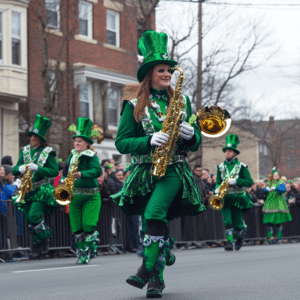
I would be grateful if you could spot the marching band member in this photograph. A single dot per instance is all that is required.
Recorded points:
(275, 209)
(41, 161)
(85, 207)
(236, 201)
(176, 193)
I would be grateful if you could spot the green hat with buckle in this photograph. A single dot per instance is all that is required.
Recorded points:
(154, 47)
(84, 129)
(40, 127)
(232, 140)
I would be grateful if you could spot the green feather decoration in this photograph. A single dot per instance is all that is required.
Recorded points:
(72, 128)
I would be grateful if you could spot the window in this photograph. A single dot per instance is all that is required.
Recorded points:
(263, 149)
(1, 38)
(291, 161)
(113, 107)
(52, 14)
(112, 27)
(86, 19)
(16, 38)
(86, 100)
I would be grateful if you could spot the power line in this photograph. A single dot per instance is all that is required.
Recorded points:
(236, 4)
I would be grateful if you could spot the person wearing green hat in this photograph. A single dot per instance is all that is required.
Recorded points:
(41, 161)
(236, 201)
(175, 194)
(85, 207)
(275, 209)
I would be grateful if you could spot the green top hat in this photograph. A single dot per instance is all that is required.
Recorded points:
(153, 46)
(274, 170)
(40, 127)
(232, 140)
(84, 129)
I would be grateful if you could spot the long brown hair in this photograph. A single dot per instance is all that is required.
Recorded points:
(141, 91)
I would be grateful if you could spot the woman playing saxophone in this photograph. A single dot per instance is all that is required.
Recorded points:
(83, 166)
(140, 131)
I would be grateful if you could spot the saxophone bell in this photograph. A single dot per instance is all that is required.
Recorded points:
(214, 121)
(62, 194)
(215, 202)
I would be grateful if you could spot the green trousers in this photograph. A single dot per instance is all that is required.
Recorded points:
(165, 190)
(33, 212)
(233, 216)
(84, 212)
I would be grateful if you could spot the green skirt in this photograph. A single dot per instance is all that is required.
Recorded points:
(44, 194)
(275, 209)
(139, 185)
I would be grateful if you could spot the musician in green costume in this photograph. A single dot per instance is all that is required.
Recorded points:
(85, 207)
(236, 201)
(275, 209)
(173, 195)
(40, 159)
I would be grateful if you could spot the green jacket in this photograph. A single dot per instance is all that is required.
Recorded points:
(236, 196)
(89, 167)
(44, 157)
(132, 138)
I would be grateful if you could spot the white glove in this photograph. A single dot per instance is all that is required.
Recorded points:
(22, 169)
(17, 183)
(159, 138)
(186, 131)
(232, 181)
(217, 191)
(268, 189)
(273, 188)
(33, 167)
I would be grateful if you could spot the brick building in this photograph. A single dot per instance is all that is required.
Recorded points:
(91, 47)
(13, 72)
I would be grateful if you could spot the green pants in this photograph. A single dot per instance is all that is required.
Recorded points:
(233, 216)
(165, 190)
(84, 212)
(33, 212)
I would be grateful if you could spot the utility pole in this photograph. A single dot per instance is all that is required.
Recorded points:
(199, 75)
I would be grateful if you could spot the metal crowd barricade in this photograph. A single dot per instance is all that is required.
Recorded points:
(205, 228)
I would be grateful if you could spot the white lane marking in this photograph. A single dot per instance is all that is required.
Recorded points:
(62, 268)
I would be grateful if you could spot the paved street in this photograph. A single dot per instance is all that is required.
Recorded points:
(254, 272)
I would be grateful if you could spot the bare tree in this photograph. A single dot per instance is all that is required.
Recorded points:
(229, 50)
(53, 49)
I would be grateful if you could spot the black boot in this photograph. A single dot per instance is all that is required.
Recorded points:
(155, 286)
(238, 244)
(229, 247)
(141, 278)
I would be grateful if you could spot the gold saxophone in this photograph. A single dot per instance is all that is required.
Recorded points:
(162, 154)
(26, 185)
(216, 202)
(63, 193)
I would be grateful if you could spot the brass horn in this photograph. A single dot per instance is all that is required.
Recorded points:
(216, 202)
(214, 121)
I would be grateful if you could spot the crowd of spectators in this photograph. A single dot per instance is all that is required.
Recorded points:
(292, 194)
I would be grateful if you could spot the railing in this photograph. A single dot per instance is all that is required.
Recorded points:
(208, 226)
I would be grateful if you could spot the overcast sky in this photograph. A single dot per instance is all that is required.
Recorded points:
(275, 87)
